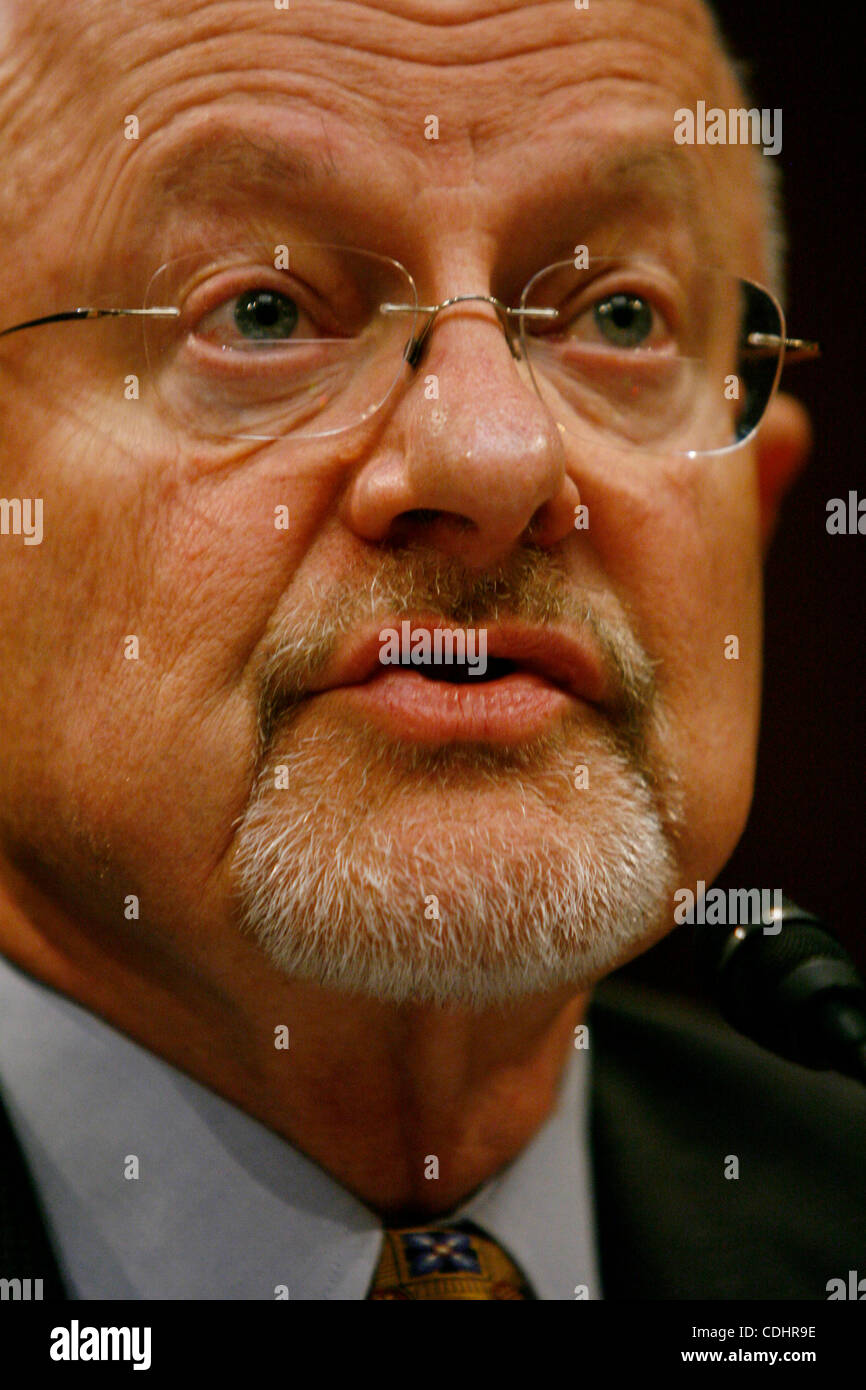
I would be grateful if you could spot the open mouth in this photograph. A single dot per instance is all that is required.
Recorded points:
(526, 666)
(532, 678)
(462, 673)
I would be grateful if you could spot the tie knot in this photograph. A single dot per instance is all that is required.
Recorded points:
(445, 1262)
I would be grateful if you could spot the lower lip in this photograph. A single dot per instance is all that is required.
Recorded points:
(509, 710)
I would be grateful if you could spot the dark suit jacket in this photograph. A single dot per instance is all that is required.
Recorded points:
(676, 1096)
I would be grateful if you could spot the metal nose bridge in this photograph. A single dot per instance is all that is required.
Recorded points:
(415, 346)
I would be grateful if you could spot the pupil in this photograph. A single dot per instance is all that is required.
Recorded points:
(266, 314)
(624, 319)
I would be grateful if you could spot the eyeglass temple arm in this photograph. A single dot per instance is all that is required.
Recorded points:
(88, 314)
(796, 349)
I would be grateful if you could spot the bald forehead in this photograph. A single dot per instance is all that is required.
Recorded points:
(500, 74)
(440, 34)
(487, 59)
(391, 17)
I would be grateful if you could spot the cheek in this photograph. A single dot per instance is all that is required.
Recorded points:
(130, 730)
(681, 546)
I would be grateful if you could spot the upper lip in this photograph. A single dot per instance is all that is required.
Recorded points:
(571, 661)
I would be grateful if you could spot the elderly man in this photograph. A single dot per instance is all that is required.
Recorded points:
(436, 342)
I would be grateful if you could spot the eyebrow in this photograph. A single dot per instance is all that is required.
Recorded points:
(216, 159)
(642, 164)
(221, 165)
(240, 157)
(661, 178)
(655, 171)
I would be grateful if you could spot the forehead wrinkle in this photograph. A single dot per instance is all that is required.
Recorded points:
(481, 129)
(181, 56)
(374, 118)
(429, 33)
(152, 32)
(424, 31)
(156, 52)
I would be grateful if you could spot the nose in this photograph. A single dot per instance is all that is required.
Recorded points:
(470, 460)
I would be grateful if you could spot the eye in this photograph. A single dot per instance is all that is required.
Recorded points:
(625, 320)
(264, 313)
(617, 309)
(248, 309)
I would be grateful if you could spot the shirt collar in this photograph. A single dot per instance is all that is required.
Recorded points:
(223, 1207)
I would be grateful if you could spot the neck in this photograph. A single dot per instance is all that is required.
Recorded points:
(382, 1097)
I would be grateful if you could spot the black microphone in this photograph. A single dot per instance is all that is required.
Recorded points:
(790, 986)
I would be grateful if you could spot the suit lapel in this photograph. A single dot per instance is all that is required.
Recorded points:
(25, 1248)
(676, 1096)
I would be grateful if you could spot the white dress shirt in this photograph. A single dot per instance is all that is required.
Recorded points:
(223, 1207)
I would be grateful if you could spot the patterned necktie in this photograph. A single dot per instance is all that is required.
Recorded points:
(457, 1262)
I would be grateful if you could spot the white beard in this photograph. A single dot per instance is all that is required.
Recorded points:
(537, 885)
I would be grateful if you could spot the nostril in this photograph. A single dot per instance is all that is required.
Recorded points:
(418, 524)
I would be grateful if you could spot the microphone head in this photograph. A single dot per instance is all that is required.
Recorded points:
(765, 978)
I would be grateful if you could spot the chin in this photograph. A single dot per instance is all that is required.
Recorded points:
(468, 883)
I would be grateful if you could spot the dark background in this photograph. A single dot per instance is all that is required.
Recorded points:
(807, 830)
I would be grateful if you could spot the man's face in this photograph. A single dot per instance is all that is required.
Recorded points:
(158, 776)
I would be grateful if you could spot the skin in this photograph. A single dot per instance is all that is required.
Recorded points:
(128, 777)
